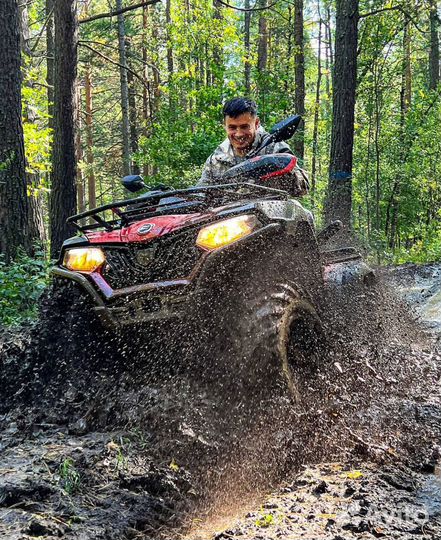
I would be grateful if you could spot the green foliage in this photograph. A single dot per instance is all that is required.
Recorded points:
(180, 144)
(37, 135)
(21, 284)
(265, 520)
(70, 479)
(397, 196)
(397, 158)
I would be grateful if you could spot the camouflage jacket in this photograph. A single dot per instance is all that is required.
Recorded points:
(223, 158)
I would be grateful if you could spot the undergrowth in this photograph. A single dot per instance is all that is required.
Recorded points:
(21, 283)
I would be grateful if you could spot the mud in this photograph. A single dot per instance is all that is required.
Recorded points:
(341, 501)
(117, 451)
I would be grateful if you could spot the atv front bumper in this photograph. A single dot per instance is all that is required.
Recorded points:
(168, 299)
(134, 305)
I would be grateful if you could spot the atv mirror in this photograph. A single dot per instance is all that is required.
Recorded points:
(133, 183)
(285, 129)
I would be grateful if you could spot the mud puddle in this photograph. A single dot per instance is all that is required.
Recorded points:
(384, 428)
(429, 494)
(420, 286)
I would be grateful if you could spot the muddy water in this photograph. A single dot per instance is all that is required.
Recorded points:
(429, 494)
(420, 286)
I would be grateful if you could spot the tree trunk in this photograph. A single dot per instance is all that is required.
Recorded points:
(50, 61)
(63, 191)
(133, 119)
(366, 176)
(434, 76)
(262, 47)
(81, 199)
(36, 224)
(316, 117)
(24, 29)
(148, 103)
(169, 45)
(339, 194)
(247, 46)
(299, 58)
(329, 65)
(125, 129)
(14, 208)
(288, 59)
(262, 58)
(217, 79)
(406, 86)
(406, 97)
(145, 92)
(91, 184)
(37, 230)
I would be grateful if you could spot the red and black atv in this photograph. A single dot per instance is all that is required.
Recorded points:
(240, 262)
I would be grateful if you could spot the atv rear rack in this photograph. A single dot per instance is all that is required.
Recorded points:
(194, 199)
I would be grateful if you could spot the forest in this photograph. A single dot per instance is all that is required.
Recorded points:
(93, 91)
(234, 361)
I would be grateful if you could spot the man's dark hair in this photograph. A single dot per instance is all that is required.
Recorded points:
(237, 106)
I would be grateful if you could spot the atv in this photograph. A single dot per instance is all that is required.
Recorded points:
(240, 262)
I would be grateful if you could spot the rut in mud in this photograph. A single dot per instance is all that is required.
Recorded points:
(137, 447)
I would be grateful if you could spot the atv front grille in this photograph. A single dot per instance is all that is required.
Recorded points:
(170, 258)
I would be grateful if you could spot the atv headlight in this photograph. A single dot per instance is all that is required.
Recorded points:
(226, 232)
(84, 259)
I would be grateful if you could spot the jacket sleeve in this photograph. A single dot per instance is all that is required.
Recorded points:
(207, 176)
(282, 148)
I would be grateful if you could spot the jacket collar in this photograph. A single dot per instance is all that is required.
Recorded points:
(225, 150)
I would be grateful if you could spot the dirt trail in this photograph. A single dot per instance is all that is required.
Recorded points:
(126, 455)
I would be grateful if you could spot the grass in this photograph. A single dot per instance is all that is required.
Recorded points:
(69, 476)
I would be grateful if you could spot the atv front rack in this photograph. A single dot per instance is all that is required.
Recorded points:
(182, 201)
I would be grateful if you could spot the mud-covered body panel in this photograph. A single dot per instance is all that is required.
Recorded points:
(155, 227)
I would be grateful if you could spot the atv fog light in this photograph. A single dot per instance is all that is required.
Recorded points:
(226, 232)
(84, 259)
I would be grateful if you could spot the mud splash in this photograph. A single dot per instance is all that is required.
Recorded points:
(156, 455)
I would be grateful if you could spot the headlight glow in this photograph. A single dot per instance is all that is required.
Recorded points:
(84, 259)
(225, 232)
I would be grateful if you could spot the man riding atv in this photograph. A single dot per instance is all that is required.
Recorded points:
(244, 137)
(232, 271)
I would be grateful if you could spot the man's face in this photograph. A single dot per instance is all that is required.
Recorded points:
(241, 131)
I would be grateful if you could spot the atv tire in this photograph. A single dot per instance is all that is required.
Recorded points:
(286, 338)
(266, 341)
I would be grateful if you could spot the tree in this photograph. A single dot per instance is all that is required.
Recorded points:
(316, 114)
(132, 106)
(170, 67)
(50, 60)
(434, 46)
(91, 186)
(299, 58)
(339, 194)
(63, 189)
(36, 230)
(13, 199)
(247, 46)
(125, 132)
